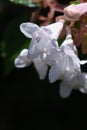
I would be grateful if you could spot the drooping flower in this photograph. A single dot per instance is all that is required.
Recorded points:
(40, 67)
(43, 38)
(76, 80)
(63, 60)
(28, 29)
(22, 61)
(44, 51)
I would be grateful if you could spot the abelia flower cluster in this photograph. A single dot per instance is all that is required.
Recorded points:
(44, 52)
(74, 13)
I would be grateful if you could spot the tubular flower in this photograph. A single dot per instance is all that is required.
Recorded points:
(63, 60)
(22, 61)
(43, 38)
(44, 51)
(76, 80)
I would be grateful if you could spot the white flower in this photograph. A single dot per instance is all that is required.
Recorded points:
(82, 62)
(41, 67)
(28, 29)
(22, 61)
(63, 60)
(43, 38)
(53, 30)
(76, 80)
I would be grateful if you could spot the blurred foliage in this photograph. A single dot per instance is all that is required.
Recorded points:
(12, 41)
(75, 2)
(25, 2)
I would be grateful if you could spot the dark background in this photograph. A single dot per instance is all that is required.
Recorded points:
(27, 103)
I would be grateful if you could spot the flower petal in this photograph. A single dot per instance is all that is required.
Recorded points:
(67, 65)
(54, 73)
(41, 68)
(68, 40)
(70, 53)
(22, 61)
(52, 57)
(33, 51)
(83, 88)
(82, 62)
(54, 30)
(28, 29)
(65, 89)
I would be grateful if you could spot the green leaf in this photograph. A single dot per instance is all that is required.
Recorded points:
(25, 2)
(13, 42)
(75, 2)
(9, 60)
